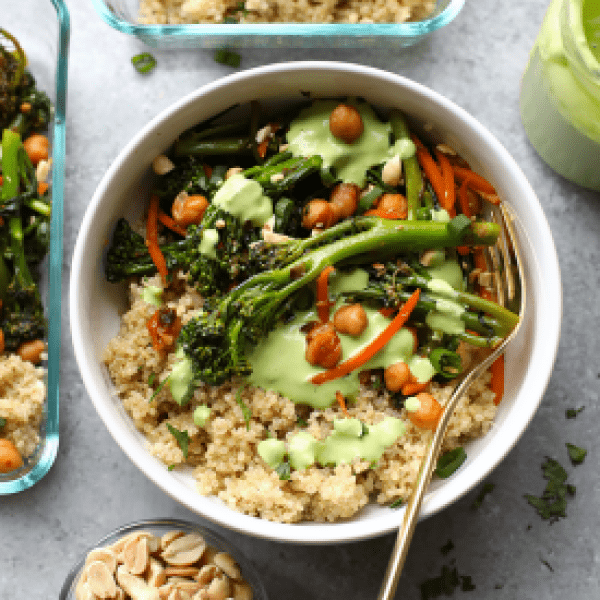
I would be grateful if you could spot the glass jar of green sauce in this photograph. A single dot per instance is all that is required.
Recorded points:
(560, 91)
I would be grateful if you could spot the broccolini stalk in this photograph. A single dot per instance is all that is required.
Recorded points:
(216, 340)
(412, 170)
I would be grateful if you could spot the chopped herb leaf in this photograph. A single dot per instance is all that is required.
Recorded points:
(2, 422)
(227, 57)
(397, 503)
(485, 490)
(161, 385)
(246, 412)
(364, 429)
(445, 584)
(151, 379)
(283, 470)
(170, 467)
(449, 462)
(547, 564)
(447, 547)
(182, 438)
(552, 504)
(571, 413)
(144, 62)
(301, 422)
(576, 454)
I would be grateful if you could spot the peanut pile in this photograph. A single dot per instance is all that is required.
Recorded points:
(176, 566)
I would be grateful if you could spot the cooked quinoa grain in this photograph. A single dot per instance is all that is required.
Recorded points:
(223, 454)
(284, 11)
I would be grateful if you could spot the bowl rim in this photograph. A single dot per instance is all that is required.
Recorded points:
(409, 29)
(387, 520)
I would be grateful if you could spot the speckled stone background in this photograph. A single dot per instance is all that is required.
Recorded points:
(508, 551)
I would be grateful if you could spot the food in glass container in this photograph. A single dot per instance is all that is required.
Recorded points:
(25, 209)
(280, 11)
(303, 294)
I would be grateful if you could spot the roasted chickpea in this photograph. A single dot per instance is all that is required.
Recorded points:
(350, 319)
(323, 346)
(188, 210)
(345, 123)
(10, 458)
(32, 351)
(318, 214)
(394, 205)
(396, 375)
(344, 200)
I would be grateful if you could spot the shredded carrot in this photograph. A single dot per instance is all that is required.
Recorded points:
(342, 402)
(475, 182)
(323, 303)
(449, 198)
(387, 311)
(207, 170)
(497, 381)
(463, 199)
(432, 172)
(463, 250)
(262, 148)
(385, 214)
(167, 221)
(414, 387)
(152, 239)
(42, 188)
(360, 358)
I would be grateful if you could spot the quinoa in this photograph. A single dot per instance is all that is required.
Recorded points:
(22, 397)
(283, 11)
(223, 454)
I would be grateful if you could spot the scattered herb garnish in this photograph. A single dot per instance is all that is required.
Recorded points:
(571, 413)
(547, 564)
(224, 56)
(445, 584)
(2, 422)
(447, 547)
(151, 379)
(449, 462)
(283, 470)
(301, 422)
(576, 454)
(144, 62)
(246, 412)
(182, 438)
(552, 504)
(485, 490)
(161, 385)
(397, 503)
(170, 467)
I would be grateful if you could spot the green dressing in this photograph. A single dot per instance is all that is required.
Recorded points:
(244, 198)
(152, 295)
(181, 377)
(412, 404)
(309, 134)
(208, 244)
(302, 450)
(272, 451)
(201, 415)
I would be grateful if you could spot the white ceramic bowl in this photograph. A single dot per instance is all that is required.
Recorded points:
(95, 304)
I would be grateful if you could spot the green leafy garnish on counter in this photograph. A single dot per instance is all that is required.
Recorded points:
(227, 57)
(182, 438)
(485, 490)
(571, 413)
(552, 504)
(144, 62)
(576, 454)
(446, 584)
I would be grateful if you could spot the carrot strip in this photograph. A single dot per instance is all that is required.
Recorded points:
(152, 239)
(387, 311)
(463, 199)
(475, 182)
(497, 381)
(414, 387)
(323, 303)
(448, 200)
(432, 172)
(385, 214)
(360, 358)
(42, 188)
(167, 221)
(342, 402)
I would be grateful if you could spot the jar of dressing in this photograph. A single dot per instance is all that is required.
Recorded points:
(560, 91)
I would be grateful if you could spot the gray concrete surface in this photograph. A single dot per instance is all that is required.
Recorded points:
(509, 552)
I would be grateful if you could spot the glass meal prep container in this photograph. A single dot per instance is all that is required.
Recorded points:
(41, 28)
(123, 16)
